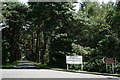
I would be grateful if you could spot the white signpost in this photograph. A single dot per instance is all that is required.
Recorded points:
(74, 60)
(109, 61)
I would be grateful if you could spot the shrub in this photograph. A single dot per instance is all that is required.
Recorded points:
(95, 64)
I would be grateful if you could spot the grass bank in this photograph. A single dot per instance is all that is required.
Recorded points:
(71, 70)
(10, 65)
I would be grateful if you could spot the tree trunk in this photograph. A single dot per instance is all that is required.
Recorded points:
(38, 49)
(50, 41)
(37, 46)
(12, 47)
(44, 47)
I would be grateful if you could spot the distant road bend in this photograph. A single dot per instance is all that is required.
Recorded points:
(26, 65)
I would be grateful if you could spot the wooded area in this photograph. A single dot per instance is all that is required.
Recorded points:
(47, 32)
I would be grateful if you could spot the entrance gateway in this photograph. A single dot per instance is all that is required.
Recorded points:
(76, 60)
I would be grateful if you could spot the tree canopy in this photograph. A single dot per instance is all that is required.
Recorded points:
(46, 32)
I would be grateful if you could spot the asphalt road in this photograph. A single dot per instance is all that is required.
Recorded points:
(26, 65)
(46, 73)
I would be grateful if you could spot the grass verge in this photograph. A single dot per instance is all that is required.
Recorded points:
(41, 65)
(71, 70)
(10, 65)
(86, 72)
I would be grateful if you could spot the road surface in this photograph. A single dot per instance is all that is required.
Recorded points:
(46, 73)
(26, 65)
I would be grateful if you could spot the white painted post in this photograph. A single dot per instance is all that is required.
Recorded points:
(67, 67)
(113, 68)
(82, 67)
(106, 66)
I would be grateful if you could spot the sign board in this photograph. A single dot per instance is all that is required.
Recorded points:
(74, 59)
(109, 60)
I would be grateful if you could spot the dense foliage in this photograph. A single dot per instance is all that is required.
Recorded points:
(47, 32)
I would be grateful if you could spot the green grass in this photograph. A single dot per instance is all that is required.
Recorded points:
(9, 65)
(41, 65)
(51, 67)
(85, 71)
